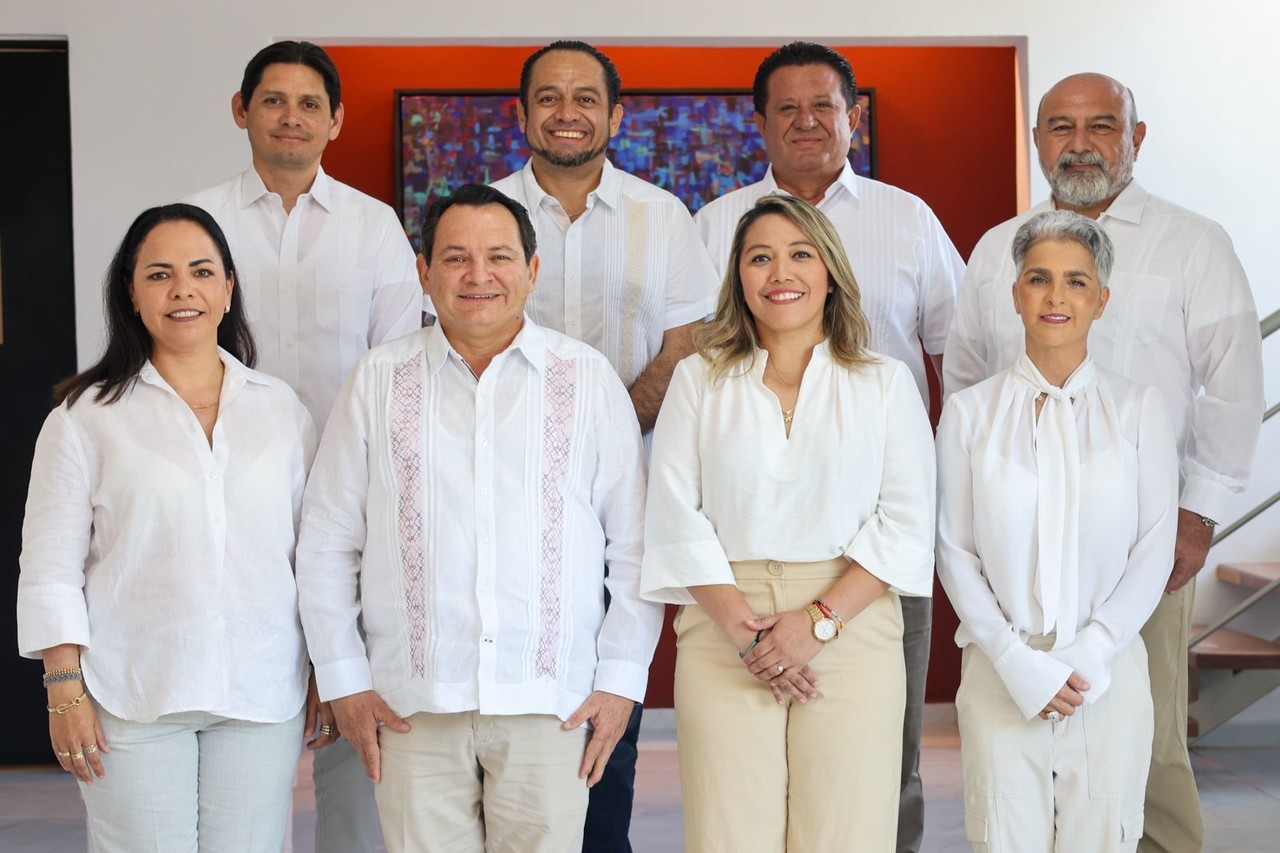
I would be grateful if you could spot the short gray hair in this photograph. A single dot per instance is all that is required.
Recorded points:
(1065, 226)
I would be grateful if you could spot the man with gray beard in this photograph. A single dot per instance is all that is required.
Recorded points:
(1182, 319)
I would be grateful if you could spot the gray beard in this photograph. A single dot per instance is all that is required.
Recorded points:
(1087, 189)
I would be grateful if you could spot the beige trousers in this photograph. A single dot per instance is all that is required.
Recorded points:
(823, 776)
(472, 782)
(1173, 805)
(1032, 786)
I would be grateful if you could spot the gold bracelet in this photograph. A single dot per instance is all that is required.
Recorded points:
(67, 706)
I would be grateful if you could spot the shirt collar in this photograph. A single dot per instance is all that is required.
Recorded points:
(235, 374)
(530, 342)
(1127, 207)
(609, 190)
(847, 180)
(252, 188)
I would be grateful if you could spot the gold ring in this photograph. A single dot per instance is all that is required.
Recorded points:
(91, 749)
(63, 754)
(326, 729)
(77, 756)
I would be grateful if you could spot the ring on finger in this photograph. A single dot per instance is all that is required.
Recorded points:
(91, 749)
(781, 669)
(63, 754)
(326, 729)
(1054, 716)
(77, 756)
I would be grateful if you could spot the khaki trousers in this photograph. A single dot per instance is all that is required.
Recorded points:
(1174, 824)
(761, 778)
(472, 782)
(1032, 786)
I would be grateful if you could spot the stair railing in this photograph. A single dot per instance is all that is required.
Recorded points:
(1267, 327)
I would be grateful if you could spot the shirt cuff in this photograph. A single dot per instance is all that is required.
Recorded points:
(622, 678)
(343, 678)
(1206, 497)
(1032, 677)
(1089, 663)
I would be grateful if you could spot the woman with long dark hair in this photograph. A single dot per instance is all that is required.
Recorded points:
(157, 559)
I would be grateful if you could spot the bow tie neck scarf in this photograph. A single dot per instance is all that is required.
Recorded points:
(1057, 454)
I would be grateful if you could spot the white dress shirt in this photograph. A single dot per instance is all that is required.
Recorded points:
(1181, 318)
(856, 477)
(322, 283)
(1118, 492)
(627, 270)
(906, 267)
(170, 561)
(467, 526)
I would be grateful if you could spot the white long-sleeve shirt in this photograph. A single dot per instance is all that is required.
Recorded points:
(626, 271)
(856, 477)
(322, 283)
(906, 267)
(1181, 319)
(170, 561)
(989, 501)
(467, 526)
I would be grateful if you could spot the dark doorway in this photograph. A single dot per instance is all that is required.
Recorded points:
(37, 335)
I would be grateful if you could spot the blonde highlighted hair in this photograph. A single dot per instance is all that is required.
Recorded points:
(731, 339)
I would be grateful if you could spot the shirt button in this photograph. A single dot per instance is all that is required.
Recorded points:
(288, 291)
(489, 640)
(776, 569)
(484, 442)
(573, 321)
(213, 475)
(289, 343)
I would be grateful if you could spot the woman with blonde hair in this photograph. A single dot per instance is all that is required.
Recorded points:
(790, 503)
(1057, 512)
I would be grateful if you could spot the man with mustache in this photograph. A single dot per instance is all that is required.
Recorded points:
(1181, 319)
(326, 273)
(907, 269)
(622, 270)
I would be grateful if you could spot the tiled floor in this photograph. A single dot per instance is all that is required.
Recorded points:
(40, 810)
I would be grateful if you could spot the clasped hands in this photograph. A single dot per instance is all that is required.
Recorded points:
(786, 641)
(1068, 698)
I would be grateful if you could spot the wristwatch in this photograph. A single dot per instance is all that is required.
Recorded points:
(825, 628)
(1207, 521)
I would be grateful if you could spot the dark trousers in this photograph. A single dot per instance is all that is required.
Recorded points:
(609, 808)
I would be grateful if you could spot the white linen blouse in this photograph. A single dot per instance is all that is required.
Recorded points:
(856, 477)
(168, 560)
(1007, 555)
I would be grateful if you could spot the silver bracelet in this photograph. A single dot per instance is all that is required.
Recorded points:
(60, 675)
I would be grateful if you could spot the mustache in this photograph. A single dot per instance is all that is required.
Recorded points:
(1089, 158)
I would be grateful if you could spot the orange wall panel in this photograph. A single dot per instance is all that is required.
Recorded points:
(945, 130)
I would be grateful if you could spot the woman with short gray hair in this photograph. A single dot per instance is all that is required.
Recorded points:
(1057, 513)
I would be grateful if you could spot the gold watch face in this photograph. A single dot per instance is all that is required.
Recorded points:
(825, 630)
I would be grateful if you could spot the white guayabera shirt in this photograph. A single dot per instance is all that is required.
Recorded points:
(322, 283)
(466, 526)
(627, 270)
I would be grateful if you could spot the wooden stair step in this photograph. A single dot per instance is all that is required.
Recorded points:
(1250, 576)
(1228, 649)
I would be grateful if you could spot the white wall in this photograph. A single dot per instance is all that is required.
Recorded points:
(151, 82)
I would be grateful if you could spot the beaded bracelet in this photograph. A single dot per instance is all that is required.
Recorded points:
(829, 611)
(57, 676)
(742, 654)
(67, 706)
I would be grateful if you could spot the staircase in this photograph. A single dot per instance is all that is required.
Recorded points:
(1230, 670)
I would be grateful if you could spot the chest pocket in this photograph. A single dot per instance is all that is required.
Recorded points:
(1140, 302)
